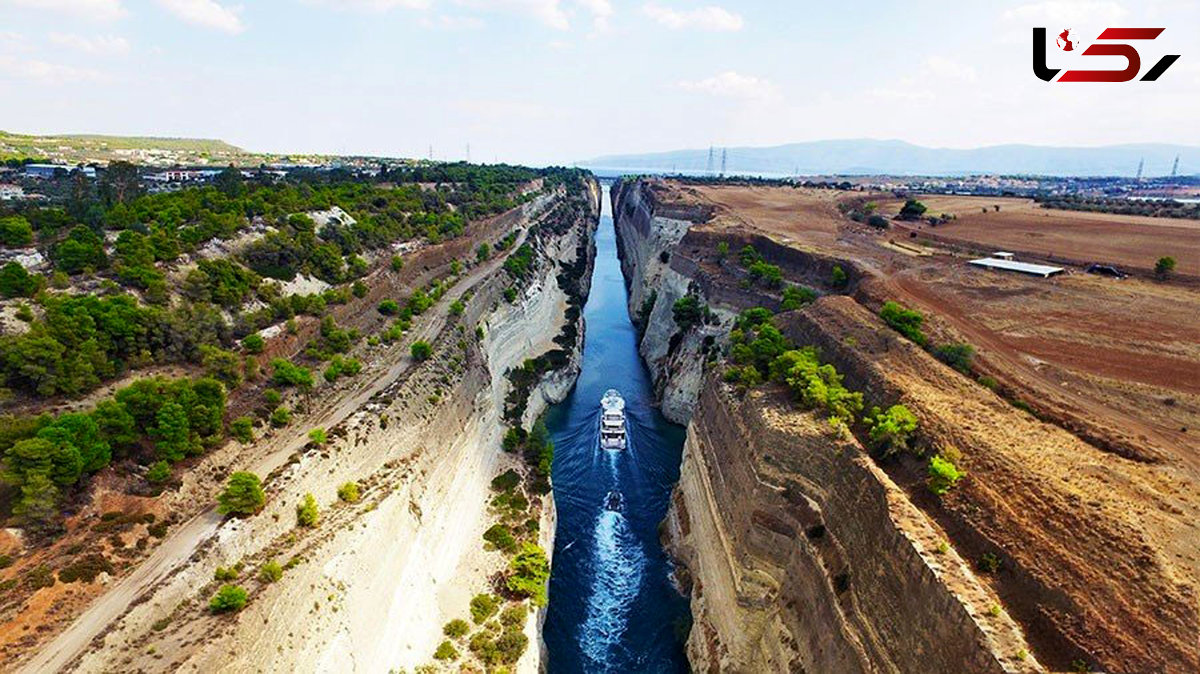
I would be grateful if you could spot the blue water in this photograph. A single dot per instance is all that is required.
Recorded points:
(612, 605)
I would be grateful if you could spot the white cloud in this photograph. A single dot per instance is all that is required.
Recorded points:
(449, 22)
(601, 10)
(548, 12)
(943, 68)
(100, 45)
(702, 18)
(46, 73)
(732, 85)
(95, 10)
(1068, 12)
(206, 13)
(373, 5)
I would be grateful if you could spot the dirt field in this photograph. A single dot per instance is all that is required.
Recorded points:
(1095, 519)
(1021, 226)
(807, 214)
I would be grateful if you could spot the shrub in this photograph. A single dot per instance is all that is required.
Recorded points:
(270, 572)
(254, 343)
(722, 250)
(285, 373)
(877, 221)
(501, 537)
(483, 252)
(942, 475)
(159, 472)
(317, 436)
(243, 495)
(359, 289)
(688, 311)
(15, 231)
(989, 563)
(457, 307)
(445, 651)
(272, 397)
(513, 615)
(890, 431)
(904, 321)
(397, 263)
(16, 282)
(510, 294)
(225, 574)
(421, 351)
(770, 275)
(306, 512)
(85, 569)
(507, 480)
(389, 307)
(528, 573)
(281, 417)
(817, 385)
(483, 606)
(838, 277)
(242, 429)
(348, 492)
(456, 629)
(957, 356)
(1164, 266)
(795, 297)
(229, 599)
(912, 210)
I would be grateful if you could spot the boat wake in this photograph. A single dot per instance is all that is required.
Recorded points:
(618, 566)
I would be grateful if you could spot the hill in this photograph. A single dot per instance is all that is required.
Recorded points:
(148, 150)
(895, 157)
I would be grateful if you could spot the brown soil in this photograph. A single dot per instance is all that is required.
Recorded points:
(1022, 226)
(1104, 548)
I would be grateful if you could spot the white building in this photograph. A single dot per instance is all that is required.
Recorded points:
(11, 192)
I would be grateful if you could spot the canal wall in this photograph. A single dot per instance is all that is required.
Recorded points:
(799, 552)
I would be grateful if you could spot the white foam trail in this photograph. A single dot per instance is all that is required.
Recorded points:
(618, 568)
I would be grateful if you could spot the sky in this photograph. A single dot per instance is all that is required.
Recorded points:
(558, 81)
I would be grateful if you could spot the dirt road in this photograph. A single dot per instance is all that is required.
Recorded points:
(63, 650)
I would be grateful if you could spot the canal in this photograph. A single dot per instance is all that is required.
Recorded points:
(613, 607)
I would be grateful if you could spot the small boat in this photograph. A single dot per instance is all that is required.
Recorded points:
(612, 420)
(614, 501)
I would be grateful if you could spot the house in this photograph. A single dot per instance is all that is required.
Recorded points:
(11, 192)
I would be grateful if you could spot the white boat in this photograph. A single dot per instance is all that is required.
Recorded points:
(612, 420)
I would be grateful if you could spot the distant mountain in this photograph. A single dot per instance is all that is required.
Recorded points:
(895, 157)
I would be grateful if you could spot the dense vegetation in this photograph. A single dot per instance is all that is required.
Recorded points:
(152, 420)
(1155, 208)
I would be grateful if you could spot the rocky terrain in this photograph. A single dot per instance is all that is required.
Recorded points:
(807, 549)
(369, 585)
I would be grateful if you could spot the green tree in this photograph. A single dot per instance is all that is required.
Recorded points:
(15, 230)
(159, 472)
(317, 436)
(172, 433)
(37, 504)
(281, 417)
(838, 277)
(445, 651)
(228, 599)
(942, 475)
(285, 373)
(1164, 266)
(242, 429)
(912, 210)
(688, 312)
(904, 321)
(528, 572)
(306, 512)
(421, 351)
(456, 629)
(891, 431)
(957, 356)
(16, 282)
(243, 495)
(82, 249)
(483, 252)
(253, 343)
(483, 606)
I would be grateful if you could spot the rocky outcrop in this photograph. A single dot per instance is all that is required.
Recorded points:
(369, 589)
(807, 553)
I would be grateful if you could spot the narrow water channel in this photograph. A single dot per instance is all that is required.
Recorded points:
(612, 605)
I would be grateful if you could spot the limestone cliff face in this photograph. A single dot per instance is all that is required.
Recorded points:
(646, 238)
(801, 554)
(370, 588)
